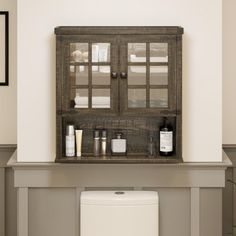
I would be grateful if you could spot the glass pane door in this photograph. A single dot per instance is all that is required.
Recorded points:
(149, 64)
(91, 62)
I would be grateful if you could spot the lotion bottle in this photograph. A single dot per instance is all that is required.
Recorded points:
(70, 141)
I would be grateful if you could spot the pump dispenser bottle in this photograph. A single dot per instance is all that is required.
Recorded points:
(70, 140)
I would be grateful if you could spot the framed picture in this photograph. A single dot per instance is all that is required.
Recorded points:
(4, 48)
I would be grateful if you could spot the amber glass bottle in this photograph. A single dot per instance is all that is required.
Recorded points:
(166, 147)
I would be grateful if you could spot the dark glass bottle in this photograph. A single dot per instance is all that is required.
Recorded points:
(166, 147)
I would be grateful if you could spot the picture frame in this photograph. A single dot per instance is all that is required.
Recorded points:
(4, 48)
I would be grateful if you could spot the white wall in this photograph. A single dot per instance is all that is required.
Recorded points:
(202, 21)
(229, 72)
(8, 93)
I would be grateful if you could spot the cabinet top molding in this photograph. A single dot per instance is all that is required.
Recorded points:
(103, 30)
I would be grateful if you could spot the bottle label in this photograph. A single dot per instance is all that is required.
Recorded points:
(70, 146)
(166, 141)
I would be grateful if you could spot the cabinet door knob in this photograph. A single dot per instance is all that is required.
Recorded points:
(123, 75)
(114, 75)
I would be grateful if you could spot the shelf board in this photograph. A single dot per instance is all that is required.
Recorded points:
(120, 160)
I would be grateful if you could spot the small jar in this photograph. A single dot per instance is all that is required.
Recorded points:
(118, 145)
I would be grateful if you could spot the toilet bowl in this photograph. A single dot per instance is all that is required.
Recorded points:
(119, 213)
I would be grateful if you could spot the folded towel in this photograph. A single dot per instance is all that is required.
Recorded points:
(81, 106)
(94, 106)
(78, 56)
(81, 102)
(97, 102)
(100, 100)
(134, 58)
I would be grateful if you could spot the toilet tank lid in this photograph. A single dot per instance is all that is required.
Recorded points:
(119, 198)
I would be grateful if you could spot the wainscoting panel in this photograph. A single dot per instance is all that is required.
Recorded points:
(210, 212)
(49, 194)
(7, 193)
(174, 211)
(52, 211)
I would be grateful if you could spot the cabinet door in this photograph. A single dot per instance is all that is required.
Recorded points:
(147, 76)
(89, 63)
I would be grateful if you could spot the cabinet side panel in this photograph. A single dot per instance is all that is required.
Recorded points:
(59, 69)
(179, 95)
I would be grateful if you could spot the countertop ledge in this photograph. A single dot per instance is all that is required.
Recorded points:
(214, 165)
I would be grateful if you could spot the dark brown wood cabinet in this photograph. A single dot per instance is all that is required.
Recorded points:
(119, 78)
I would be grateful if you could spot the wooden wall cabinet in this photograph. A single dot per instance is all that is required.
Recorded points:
(119, 78)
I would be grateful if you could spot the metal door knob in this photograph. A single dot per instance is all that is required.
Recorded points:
(114, 75)
(123, 75)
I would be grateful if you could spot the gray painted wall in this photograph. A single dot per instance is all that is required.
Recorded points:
(52, 212)
(8, 196)
(49, 194)
(229, 195)
(52, 209)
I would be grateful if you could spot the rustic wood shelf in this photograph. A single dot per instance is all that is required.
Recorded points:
(120, 159)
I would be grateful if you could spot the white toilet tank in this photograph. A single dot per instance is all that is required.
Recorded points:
(119, 213)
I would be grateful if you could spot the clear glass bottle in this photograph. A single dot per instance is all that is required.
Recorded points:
(151, 147)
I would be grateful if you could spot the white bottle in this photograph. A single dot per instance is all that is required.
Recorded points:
(118, 145)
(70, 140)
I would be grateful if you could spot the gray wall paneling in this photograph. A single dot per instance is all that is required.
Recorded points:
(50, 193)
(210, 213)
(229, 194)
(7, 193)
(2, 201)
(10, 203)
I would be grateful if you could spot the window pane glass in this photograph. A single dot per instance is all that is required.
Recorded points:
(136, 52)
(80, 97)
(101, 75)
(101, 98)
(158, 97)
(79, 52)
(79, 75)
(136, 98)
(136, 75)
(158, 52)
(101, 52)
(159, 75)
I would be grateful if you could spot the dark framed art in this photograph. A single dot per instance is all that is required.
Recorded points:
(4, 48)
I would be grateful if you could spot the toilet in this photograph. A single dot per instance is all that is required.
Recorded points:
(119, 213)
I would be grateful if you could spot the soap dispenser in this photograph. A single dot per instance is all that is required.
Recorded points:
(118, 145)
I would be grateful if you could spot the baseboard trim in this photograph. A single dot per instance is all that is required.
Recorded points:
(229, 146)
(6, 151)
(4, 147)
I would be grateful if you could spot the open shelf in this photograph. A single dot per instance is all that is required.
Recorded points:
(132, 159)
